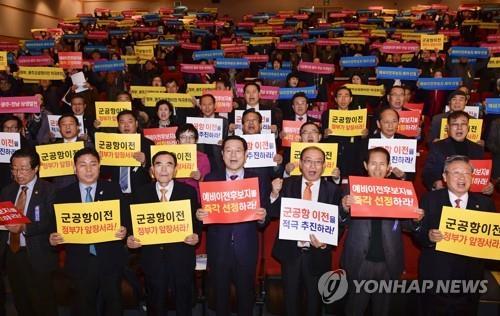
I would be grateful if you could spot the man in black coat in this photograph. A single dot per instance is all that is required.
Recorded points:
(437, 265)
(303, 262)
(30, 260)
(173, 261)
(95, 270)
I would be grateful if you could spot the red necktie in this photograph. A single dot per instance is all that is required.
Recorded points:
(457, 203)
(15, 241)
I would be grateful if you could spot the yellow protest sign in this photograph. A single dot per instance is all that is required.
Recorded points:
(132, 60)
(196, 89)
(210, 10)
(144, 52)
(263, 29)
(88, 223)
(489, 25)
(475, 129)
(3, 60)
(366, 89)
(71, 20)
(431, 42)
(352, 33)
(411, 37)
(106, 112)
(471, 22)
(276, 21)
(366, 27)
(347, 122)
(41, 73)
(126, 23)
(261, 40)
(161, 222)
(118, 149)
(186, 157)
(387, 19)
(378, 33)
(105, 22)
(57, 159)
(390, 11)
(494, 62)
(352, 40)
(139, 92)
(180, 100)
(330, 149)
(148, 42)
(470, 233)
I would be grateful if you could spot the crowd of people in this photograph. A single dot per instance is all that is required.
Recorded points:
(281, 52)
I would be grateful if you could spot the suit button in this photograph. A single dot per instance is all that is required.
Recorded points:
(162, 248)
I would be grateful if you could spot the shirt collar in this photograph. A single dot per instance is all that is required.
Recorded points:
(169, 186)
(83, 187)
(304, 181)
(30, 184)
(463, 199)
(71, 140)
(240, 174)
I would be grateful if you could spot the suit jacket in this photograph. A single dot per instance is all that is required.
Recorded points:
(276, 115)
(111, 254)
(358, 241)
(180, 252)
(244, 234)
(287, 250)
(41, 255)
(438, 265)
(434, 165)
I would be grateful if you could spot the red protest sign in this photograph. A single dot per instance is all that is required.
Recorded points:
(291, 129)
(9, 215)
(414, 107)
(266, 92)
(409, 123)
(42, 60)
(70, 60)
(327, 42)
(197, 69)
(191, 46)
(257, 58)
(316, 68)
(230, 201)
(97, 35)
(161, 136)
(235, 48)
(399, 48)
(383, 198)
(481, 175)
(223, 100)
(30, 104)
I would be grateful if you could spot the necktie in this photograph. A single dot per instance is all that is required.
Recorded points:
(300, 118)
(15, 241)
(88, 198)
(457, 203)
(233, 177)
(124, 178)
(163, 195)
(307, 195)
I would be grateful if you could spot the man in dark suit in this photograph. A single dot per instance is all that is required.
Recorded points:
(232, 248)
(457, 101)
(175, 261)
(300, 105)
(456, 144)
(131, 178)
(301, 263)
(30, 260)
(95, 270)
(373, 249)
(437, 265)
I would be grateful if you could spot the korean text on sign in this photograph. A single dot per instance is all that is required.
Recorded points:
(118, 149)
(470, 233)
(57, 159)
(10, 215)
(161, 222)
(9, 143)
(88, 223)
(403, 152)
(106, 112)
(330, 150)
(187, 160)
(300, 218)
(347, 122)
(383, 198)
(261, 150)
(230, 201)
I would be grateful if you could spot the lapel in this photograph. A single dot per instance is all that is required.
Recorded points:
(35, 196)
(153, 196)
(473, 203)
(323, 192)
(99, 192)
(445, 198)
(297, 187)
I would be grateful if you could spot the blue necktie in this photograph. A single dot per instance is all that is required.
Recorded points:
(88, 198)
(124, 178)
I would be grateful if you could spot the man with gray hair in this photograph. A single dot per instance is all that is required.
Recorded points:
(436, 265)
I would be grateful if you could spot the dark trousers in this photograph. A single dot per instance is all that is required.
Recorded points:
(97, 293)
(357, 302)
(242, 274)
(298, 275)
(176, 274)
(32, 289)
(450, 305)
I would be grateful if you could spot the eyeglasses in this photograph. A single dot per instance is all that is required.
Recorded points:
(310, 133)
(458, 174)
(313, 162)
(20, 170)
(187, 137)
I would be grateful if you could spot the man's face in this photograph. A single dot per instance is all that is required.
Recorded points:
(396, 58)
(234, 155)
(172, 87)
(312, 165)
(87, 169)
(187, 137)
(252, 95)
(127, 124)
(458, 128)
(163, 112)
(251, 124)
(408, 95)
(10, 126)
(5, 85)
(163, 169)
(458, 177)
(396, 98)
(78, 106)
(207, 106)
(22, 171)
(300, 106)
(343, 99)
(123, 97)
(388, 123)
(377, 166)
(310, 134)
(68, 128)
(293, 82)
(457, 103)
(156, 82)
